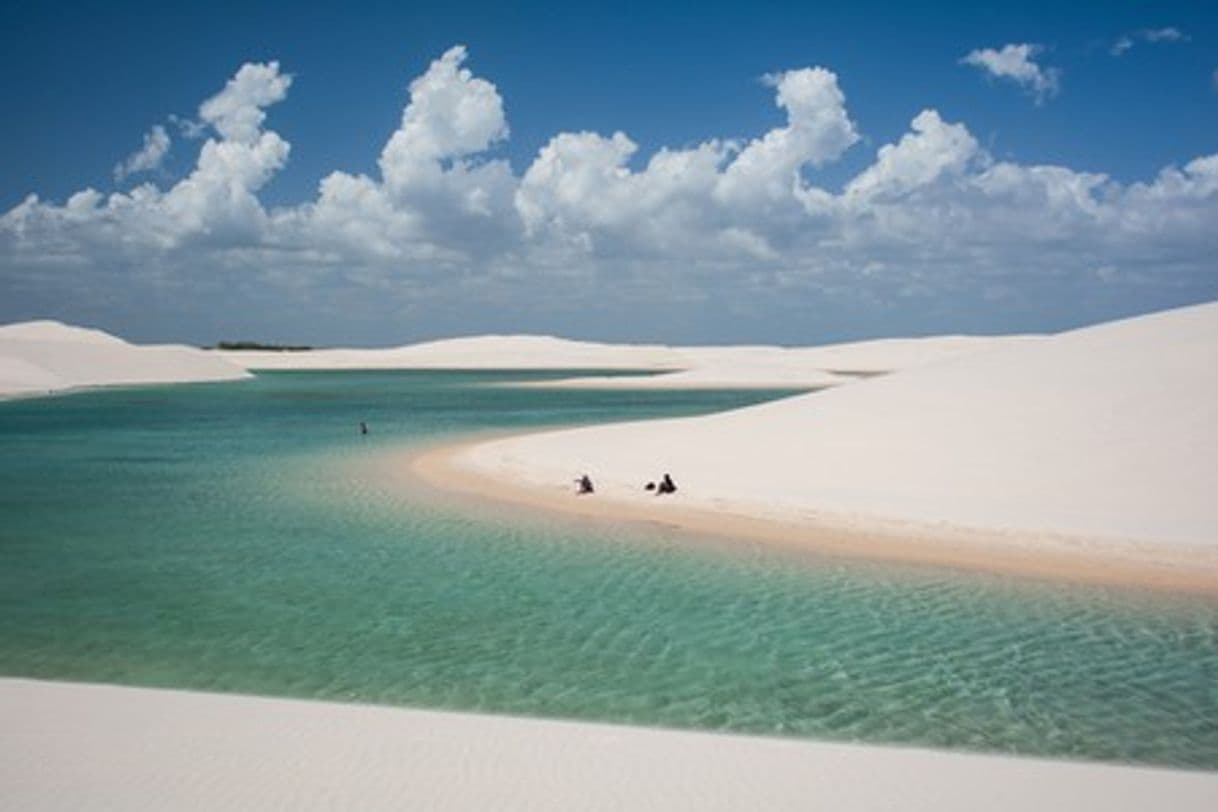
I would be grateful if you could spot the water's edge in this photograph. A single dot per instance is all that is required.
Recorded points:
(221, 539)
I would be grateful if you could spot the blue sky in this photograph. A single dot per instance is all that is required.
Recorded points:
(978, 240)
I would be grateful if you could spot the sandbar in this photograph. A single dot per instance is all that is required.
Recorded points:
(1058, 557)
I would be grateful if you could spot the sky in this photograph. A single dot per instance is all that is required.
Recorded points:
(376, 173)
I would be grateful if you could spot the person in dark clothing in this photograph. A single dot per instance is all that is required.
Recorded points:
(363, 427)
(584, 484)
(667, 485)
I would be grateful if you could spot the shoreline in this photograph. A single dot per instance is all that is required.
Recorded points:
(80, 389)
(70, 745)
(1044, 556)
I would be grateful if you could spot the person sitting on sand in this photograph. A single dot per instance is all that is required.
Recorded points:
(667, 485)
(584, 484)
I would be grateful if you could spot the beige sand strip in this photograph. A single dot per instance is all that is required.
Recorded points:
(1078, 560)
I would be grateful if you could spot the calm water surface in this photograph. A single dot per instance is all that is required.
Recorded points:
(230, 537)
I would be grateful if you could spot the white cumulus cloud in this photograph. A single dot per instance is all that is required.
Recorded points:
(215, 203)
(451, 114)
(447, 236)
(1015, 63)
(146, 158)
(716, 197)
(932, 149)
(237, 111)
(818, 131)
(439, 197)
(188, 127)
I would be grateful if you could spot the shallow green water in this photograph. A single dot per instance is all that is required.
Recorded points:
(230, 537)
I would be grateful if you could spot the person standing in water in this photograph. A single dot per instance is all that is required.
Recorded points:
(363, 427)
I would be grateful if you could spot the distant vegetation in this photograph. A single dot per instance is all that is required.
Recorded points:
(256, 345)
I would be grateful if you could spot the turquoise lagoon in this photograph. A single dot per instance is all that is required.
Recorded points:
(237, 537)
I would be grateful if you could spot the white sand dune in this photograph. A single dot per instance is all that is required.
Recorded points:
(763, 375)
(57, 332)
(1107, 432)
(71, 746)
(685, 367)
(893, 354)
(46, 356)
(479, 352)
(795, 367)
(20, 377)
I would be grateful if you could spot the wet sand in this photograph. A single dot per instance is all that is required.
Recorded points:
(1074, 559)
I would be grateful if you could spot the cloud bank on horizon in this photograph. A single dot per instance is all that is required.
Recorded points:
(446, 232)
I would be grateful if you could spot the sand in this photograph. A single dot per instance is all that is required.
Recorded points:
(1091, 451)
(767, 374)
(478, 352)
(1099, 442)
(1043, 556)
(73, 746)
(44, 357)
(681, 367)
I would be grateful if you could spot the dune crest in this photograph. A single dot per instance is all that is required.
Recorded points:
(43, 357)
(678, 367)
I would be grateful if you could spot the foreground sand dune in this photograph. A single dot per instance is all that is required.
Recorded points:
(71, 746)
(38, 358)
(1105, 433)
